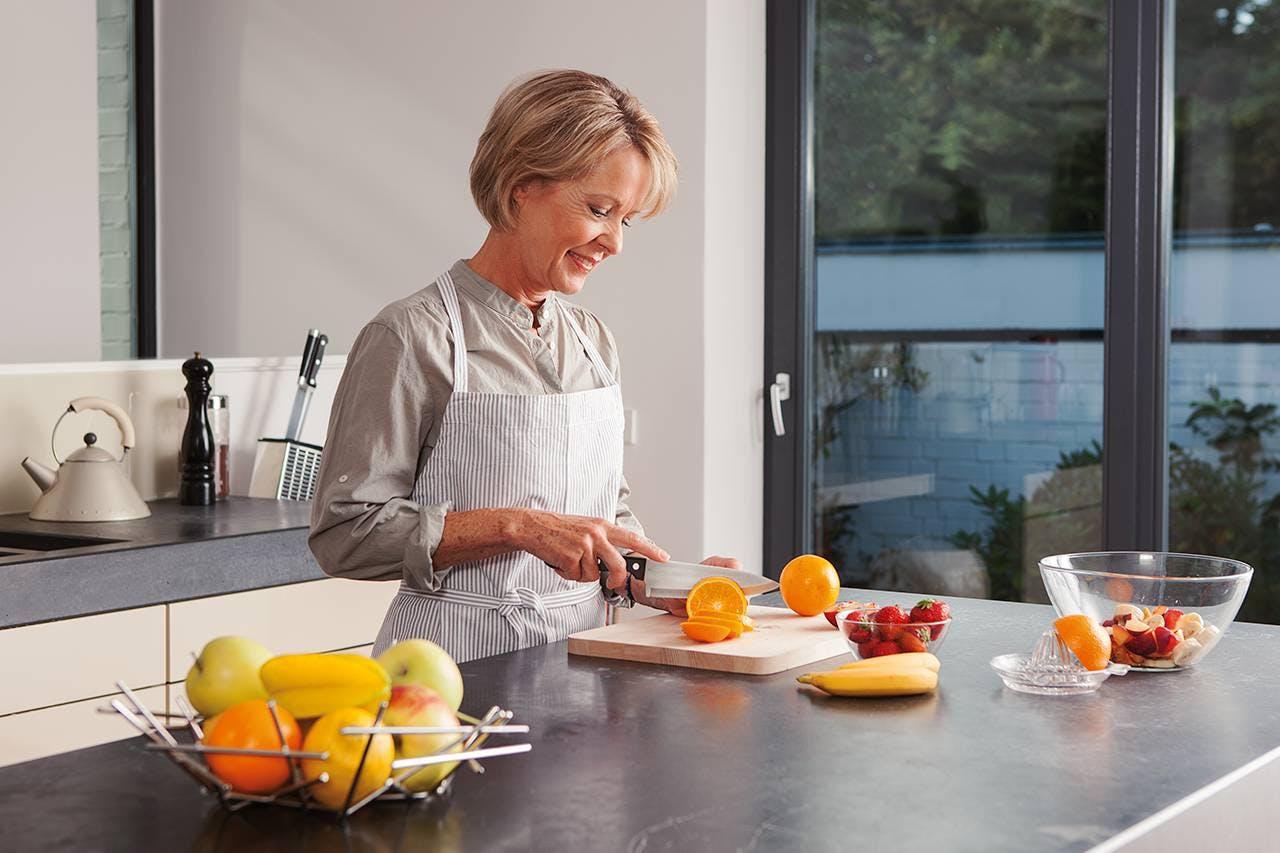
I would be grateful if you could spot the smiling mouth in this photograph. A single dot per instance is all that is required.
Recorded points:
(585, 264)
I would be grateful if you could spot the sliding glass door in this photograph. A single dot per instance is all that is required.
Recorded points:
(978, 245)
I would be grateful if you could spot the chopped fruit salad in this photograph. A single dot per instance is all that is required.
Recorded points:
(1159, 637)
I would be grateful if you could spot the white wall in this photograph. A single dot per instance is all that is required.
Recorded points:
(312, 161)
(49, 181)
(32, 397)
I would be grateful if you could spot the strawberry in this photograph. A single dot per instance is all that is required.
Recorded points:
(1171, 618)
(931, 610)
(865, 650)
(884, 647)
(912, 642)
(856, 628)
(888, 619)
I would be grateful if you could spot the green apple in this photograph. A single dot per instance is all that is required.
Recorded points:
(423, 662)
(415, 705)
(226, 673)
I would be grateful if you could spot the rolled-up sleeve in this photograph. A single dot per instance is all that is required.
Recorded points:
(364, 522)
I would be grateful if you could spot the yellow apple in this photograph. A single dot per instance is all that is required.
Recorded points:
(226, 673)
(423, 662)
(415, 705)
(344, 757)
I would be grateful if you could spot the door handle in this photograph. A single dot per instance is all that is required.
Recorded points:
(779, 390)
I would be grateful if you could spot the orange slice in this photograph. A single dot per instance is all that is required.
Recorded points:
(1088, 640)
(718, 594)
(706, 618)
(705, 632)
(732, 619)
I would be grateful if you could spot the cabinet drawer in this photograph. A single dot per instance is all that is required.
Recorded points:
(74, 659)
(62, 728)
(316, 616)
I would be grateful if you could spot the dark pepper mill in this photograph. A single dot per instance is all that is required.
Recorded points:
(196, 456)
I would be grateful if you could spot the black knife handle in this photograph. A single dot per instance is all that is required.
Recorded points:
(312, 352)
(635, 568)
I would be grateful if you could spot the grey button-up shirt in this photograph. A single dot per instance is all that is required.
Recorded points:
(385, 420)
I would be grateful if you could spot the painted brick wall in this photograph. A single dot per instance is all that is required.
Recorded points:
(997, 414)
(115, 178)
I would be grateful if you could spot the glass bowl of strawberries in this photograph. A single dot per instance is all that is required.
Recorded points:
(1162, 611)
(892, 630)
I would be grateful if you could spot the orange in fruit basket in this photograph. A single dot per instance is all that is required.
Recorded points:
(809, 584)
(248, 725)
(717, 594)
(1087, 640)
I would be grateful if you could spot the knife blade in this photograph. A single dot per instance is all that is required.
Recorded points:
(673, 579)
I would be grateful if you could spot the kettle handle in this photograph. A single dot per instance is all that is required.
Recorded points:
(120, 416)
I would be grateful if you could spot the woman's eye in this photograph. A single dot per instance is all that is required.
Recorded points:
(598, 212)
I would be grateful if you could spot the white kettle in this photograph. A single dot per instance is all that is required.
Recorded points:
(90, 485)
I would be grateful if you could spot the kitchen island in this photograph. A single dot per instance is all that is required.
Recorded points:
(630, 756)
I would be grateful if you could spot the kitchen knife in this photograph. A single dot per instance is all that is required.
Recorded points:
(674, 580)
(312, 354)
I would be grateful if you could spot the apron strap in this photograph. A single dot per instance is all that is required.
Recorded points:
(602, 370)
(450, 296)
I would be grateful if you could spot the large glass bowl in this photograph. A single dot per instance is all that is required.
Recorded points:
(1117, 587)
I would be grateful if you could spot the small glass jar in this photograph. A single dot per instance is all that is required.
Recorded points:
(219, 413)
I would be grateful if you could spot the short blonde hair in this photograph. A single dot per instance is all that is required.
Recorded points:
(557, 126)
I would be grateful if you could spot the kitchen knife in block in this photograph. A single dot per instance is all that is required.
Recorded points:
(286, 468)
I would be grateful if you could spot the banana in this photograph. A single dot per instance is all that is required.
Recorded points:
(909, 659)
(873, 681)
(315, 684)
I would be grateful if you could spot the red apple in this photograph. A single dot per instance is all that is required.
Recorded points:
(1165, 640)
(1143, 644)
(415, 705)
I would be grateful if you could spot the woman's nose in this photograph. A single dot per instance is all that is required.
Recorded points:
(611, 238)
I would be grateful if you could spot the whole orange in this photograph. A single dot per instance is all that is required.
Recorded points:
(248, 725)
(809, 584)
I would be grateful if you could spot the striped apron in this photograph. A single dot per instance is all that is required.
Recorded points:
(555, 452)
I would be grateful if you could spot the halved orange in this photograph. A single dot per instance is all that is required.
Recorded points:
(735, 628)
(1087, 639)
(705, 632)
(718, 594)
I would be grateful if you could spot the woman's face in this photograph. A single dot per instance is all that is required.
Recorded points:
(567, 228)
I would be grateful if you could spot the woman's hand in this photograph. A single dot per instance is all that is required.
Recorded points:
(571, 544)
(675, 606)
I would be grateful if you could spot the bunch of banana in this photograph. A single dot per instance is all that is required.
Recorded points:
(890, 675)
(314, 684)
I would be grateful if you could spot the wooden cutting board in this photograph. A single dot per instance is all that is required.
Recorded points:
(782, 640)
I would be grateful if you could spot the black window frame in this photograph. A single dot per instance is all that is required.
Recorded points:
(1137, 245)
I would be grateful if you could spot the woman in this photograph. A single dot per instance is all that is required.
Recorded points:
(475, 445)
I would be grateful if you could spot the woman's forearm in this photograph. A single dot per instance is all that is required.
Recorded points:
(476, 534)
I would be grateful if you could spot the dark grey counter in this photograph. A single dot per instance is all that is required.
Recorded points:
(178, 553)
(637, 757)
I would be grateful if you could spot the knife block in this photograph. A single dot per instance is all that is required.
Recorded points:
(285, 469)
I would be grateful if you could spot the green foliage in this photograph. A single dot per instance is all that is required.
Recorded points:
(1217, 508)
(989, 116)
(1000, 545)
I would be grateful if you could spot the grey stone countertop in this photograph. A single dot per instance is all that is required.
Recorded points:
(637, 757)
(178, 553)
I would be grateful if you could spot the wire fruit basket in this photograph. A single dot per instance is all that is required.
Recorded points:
(465, 748)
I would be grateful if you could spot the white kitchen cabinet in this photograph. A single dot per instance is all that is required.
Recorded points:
(62, 728)
(74, 659)
(316, 616)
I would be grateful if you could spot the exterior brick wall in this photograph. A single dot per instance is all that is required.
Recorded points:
(115, 176)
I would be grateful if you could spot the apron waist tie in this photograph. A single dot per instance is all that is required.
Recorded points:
(515, 600)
